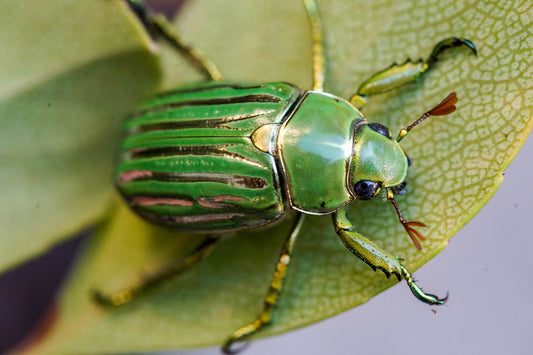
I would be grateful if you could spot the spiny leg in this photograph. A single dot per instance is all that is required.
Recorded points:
(274, 291)
(319, 60)
(377, 258)
(401, 74)
(159, 25)
(122, 297)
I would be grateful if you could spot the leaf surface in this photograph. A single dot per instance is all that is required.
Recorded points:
(68, 73)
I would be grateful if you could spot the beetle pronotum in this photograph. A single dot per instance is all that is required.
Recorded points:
(217, 156)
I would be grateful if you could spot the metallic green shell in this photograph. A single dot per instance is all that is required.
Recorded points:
(316, 148)
(189, 162)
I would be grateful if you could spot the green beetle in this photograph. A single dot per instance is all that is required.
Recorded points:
(222, 157)
(219, 156)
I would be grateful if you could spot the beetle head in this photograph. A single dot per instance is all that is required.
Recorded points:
(378, 161)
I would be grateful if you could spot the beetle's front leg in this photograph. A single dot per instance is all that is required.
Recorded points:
(378, 258)
(409, 72)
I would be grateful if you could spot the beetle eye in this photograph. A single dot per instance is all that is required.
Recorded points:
(366, 189)
(381, 129)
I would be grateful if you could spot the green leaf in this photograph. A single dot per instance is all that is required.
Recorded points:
(68, 72)
(458, 165)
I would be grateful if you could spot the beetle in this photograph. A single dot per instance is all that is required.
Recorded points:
(221, 156)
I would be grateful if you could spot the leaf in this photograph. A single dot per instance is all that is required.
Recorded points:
(65, 81)
(458, 165)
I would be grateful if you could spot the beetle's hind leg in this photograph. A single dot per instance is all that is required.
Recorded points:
(409, 72)
(271, 300)
(159, 26)
(178, 266)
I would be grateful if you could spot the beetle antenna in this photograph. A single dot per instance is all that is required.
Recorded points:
(446, 107)
(413, 233)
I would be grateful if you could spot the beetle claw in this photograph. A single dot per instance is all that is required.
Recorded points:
(417, 290)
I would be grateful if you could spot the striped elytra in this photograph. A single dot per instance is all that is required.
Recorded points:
(188, 160)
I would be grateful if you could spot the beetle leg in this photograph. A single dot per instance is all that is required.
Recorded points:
(378, 258)
(319, 60)
(122, 297)
(160, 26)
(409, 72)
(274, 291)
